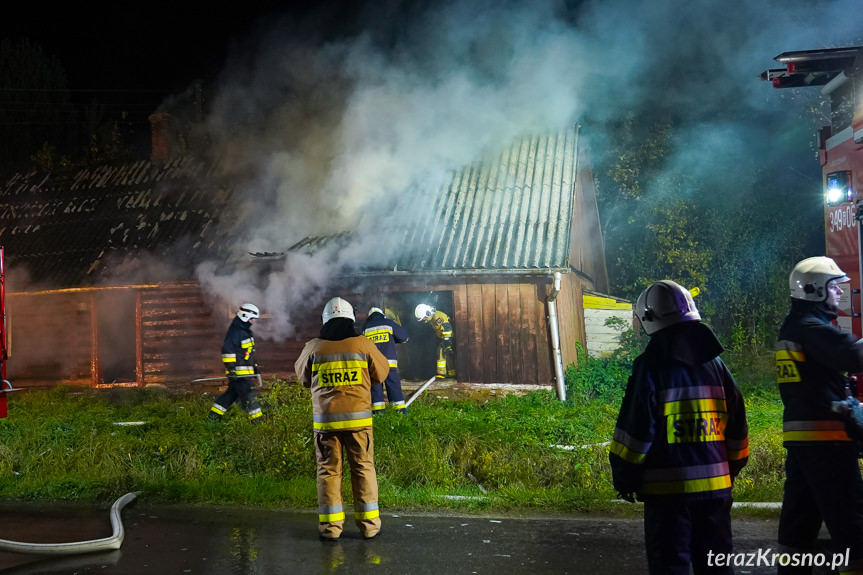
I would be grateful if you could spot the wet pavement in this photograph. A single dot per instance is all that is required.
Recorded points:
(242, 541)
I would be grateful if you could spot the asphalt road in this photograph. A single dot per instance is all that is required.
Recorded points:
(165, 540)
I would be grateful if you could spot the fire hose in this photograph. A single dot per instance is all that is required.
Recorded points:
(256, 375)
(419, 392)
(72, 548)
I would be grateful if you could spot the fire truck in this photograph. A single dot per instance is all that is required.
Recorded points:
(838, 72)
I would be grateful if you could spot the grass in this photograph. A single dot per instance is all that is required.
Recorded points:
(502, 454)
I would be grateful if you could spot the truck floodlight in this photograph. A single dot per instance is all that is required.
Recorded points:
(838, 188)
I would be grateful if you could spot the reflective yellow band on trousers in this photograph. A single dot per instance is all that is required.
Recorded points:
(325, 425)
(331, 517)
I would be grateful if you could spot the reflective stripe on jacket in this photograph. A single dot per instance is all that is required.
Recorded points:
(238, 349)
(682, 426)
(340, 375)
(385, 333)
(811, 356)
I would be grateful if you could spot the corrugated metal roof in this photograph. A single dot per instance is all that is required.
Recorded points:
(88, 227)
(512, 212)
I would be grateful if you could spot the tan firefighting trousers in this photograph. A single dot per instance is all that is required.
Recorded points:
(359, 446)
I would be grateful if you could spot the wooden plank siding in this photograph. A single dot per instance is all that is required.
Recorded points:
(501, 326)
(49, 339)
(181, 336)
(501, 331)
(570, 317)
(586, 244)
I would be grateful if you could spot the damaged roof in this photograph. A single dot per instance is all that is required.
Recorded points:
(512, 212)
(103, 226)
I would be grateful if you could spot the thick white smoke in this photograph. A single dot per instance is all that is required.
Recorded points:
(333, 129)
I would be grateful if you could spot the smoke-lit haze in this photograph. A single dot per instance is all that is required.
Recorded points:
(340, 132)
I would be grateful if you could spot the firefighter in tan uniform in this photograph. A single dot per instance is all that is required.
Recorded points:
(340, 367)
(440, 323)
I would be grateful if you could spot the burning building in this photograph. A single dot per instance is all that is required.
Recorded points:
(508, 249)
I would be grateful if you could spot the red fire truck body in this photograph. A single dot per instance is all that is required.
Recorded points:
(839, 74)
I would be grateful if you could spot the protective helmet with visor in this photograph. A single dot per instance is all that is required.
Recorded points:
(663, 304)
(809, 278)
(423, 312)
(248, 312)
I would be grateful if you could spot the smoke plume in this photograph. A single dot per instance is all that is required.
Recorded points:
(339, 120)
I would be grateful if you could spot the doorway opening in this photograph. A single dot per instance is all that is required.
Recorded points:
(116, 334)
(418, 356)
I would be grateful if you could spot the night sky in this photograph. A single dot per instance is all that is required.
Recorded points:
(129, 56)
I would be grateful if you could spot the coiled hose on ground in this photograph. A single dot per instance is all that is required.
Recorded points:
(106, 544)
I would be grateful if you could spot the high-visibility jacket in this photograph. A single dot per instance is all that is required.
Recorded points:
(238, 349)
(441, 324)
(340, 374)
(811, 356)
(682, 429)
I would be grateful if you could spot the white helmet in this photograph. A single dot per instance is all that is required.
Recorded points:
(423, 311)
(248, 311)
(337, 307)
(808, 279)
(665, 303)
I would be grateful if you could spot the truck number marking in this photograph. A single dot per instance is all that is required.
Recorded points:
(842, 218)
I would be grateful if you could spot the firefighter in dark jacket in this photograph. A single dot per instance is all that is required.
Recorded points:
(681, 435)
(340, 367)
(386, 333)
(238, 356)
(822, 472)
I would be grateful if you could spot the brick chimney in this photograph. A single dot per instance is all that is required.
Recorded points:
(164, 133)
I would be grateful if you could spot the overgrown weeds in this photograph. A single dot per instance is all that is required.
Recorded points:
(532, 452)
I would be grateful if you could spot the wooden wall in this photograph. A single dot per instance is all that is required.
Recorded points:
(49, 339)
(501, 326)
(501, 331)
(181, 336)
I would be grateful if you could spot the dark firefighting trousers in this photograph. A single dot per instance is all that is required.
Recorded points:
(359, 447)
(822, 483)
(240, 389)
(393, 386)
(680, 531)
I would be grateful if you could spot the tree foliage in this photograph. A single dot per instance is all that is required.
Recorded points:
(714, 218)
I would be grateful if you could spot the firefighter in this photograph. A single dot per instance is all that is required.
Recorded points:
(822, 474)
(386, 333)
(681, 435)
(238, 356)
(440, 322)
(340, 367)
